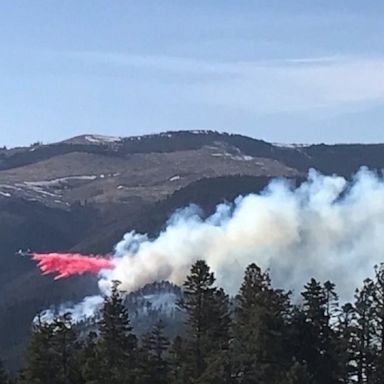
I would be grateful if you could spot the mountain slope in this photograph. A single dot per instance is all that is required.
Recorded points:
(86, 192)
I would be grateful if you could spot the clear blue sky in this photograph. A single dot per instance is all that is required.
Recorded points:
(284, 71)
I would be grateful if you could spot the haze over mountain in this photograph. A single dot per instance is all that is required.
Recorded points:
(84, 193)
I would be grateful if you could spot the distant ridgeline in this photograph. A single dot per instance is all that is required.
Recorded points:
(342, 159)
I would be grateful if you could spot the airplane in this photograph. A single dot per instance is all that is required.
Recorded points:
(21, 252)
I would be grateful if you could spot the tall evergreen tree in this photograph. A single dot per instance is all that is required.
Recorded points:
(346, 333)
(90, 359)
(159, 347)
(155, 368)
(317, 341)
(331, 300)
(67, 349)
(116, 347)
(378, 308)
(39, 367)
(198, 293)
(260, 330)
(207, 321)
(363, 343)
(52, 355)
(178, 366)
(218, 358)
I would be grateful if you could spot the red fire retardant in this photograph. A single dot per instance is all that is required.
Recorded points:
(69, 264)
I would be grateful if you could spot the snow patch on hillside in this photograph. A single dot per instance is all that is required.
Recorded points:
(37, 189)
(291, 146)
(59, 181)
(101, 139)
(227, 155)
(201, 132)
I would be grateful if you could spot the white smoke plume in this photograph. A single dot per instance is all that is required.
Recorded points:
(327, 228)
(80, 312)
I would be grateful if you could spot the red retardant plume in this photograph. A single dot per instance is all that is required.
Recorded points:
(69, 264)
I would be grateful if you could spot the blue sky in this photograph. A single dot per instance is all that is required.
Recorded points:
(284, 71)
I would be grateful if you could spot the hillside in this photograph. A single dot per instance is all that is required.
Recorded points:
(86, 192)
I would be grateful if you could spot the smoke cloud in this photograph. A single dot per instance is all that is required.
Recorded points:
(326, 228)
(85, 310)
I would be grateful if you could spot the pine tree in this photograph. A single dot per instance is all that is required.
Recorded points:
(363, 344)
(178, 367)
(331, 300)
(90, 359)
(260, 330)
(116, 346)
(52, 353)
(218, 358)
(155, 367)
(39, 367)
(145, 373)
(378, 308)
(159, 348)
(222, 335)
(346, 333)
(317, 340)
(207, 326)
(67, 349)
(221, 321)
(197, 302)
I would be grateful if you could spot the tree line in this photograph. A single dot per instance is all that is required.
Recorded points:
(262, 336)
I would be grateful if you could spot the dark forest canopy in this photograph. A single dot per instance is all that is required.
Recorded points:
(260, 336)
